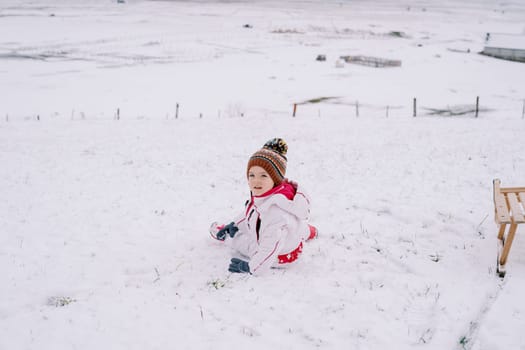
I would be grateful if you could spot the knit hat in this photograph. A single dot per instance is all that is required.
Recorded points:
(272, 158)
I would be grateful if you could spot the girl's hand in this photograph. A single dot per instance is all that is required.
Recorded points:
(238, 265)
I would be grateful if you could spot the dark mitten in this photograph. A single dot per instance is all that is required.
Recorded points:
(238, 265)
(229, 229)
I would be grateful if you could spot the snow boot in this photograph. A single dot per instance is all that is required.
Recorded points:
(313, 232)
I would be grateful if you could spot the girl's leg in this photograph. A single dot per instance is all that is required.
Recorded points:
(243, 244)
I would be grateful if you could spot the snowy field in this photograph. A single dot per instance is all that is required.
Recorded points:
(125, 130)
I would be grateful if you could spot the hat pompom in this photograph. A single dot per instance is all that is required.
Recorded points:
(277, 145)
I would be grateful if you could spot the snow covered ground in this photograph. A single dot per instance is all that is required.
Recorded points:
(103, 225)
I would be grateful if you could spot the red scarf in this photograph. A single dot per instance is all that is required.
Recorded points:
(285, 188)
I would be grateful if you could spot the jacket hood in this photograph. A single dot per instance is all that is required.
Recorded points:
(287, 196)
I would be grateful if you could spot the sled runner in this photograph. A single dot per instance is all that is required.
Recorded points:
(509, 208)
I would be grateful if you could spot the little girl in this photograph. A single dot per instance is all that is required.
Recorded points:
(274, 224)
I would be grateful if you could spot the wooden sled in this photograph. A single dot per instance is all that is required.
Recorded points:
(509, 208)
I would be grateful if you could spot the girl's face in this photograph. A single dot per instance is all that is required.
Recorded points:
(259, 181)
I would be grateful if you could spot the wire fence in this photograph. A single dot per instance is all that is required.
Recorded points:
(317, 107)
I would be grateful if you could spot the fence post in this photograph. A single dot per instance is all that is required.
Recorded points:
(387, 111)
(294, 109)
(477, 105)
(177, 111)
(414, 107)
(357, 109)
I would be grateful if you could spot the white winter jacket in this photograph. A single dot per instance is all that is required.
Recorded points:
(273, 227)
